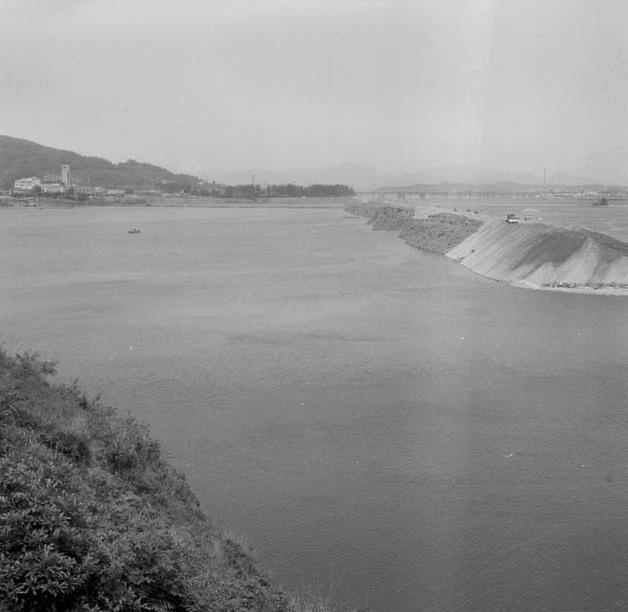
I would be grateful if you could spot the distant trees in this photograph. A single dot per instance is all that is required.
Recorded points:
(288, 190)
(311, 191)
(250, 191)
(601, 202)
(323, 191)
(172, 187)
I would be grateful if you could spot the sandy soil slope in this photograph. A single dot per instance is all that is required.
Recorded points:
(541, 256)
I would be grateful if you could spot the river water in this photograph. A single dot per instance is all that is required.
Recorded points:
(382, 424)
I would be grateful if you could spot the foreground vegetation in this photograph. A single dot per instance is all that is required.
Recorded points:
(93, 517)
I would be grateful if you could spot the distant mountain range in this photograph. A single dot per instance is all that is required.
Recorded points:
(21, 158)
(499, 187)
(475, 175)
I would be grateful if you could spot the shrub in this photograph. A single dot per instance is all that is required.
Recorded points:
(72, 445)
(47, 556)
(131, 448)
(391, 217)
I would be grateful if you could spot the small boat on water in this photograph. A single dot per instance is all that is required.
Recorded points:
(134, 230)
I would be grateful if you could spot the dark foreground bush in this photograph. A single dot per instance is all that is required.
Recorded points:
(92, 517)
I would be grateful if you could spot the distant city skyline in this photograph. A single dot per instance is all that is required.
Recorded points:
(508, 87)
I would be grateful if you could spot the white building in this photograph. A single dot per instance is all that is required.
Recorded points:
(52, 188)
(65, 175)
(26, 185)
(89, 189)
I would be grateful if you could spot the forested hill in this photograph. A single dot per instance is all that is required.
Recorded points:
(22, 158)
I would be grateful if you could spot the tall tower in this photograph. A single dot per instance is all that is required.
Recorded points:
(65, 175)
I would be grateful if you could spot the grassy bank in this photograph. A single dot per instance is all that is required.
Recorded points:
(438, 233)
(93, 517)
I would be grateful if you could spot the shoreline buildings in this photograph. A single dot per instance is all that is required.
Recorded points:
(52, 184)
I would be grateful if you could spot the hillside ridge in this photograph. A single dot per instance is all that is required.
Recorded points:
(22, 158)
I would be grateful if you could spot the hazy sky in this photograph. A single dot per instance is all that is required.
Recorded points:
(403, 85)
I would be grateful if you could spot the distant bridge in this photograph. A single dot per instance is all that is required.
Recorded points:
(422, 195)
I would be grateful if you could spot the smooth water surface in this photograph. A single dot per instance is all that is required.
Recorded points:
(381, 423)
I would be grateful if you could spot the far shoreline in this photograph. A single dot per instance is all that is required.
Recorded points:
(333, 202)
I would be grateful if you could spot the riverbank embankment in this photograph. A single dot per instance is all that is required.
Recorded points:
(438, 232)
(531, 255)
(540, 256)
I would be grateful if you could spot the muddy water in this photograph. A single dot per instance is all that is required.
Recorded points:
(383, 424)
